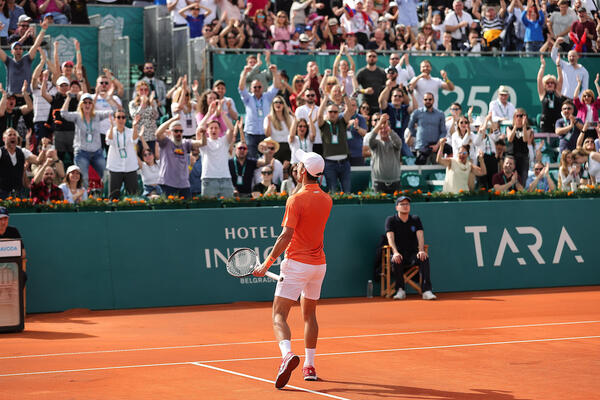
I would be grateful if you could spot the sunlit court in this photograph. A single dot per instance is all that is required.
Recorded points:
(517, 344)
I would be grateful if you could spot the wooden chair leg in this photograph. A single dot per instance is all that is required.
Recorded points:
(408, 275)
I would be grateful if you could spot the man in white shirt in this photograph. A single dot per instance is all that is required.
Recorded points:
(425, 83)
(559, 24)
(404, 74)
(309, 111)
(570, 70)
(502, 109)
(458, 23)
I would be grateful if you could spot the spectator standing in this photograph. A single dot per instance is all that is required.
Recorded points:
(507, 179)
(427, 124)
(458, 22)
(549, 94)
(588, 107)
(183, 107)
(174, 156)
(144, 104)
(214, 150)
(406, 73)
(12, 165)
(398, 110)
(386, 156)
(460, 171)
(173, 7)
(156, 85)
(309, 112)
(560, 22)
(122, 161)
(43, 188)
(64, 131)
(228, 105)
(9, 113)
(425, 83)
(87, 140)
(108, 90)
(242, 170)
(405, 236)
(56, 8)
(277, 126)
(79, 12)
(540, 180)
(518, 137)
(568, 172)
(568, 127)
(372, 80)
(302, 136)
(195, 19)
(571, 70)
(584, 26)
(282, 31)
(463, 137)
(533, 19)
(335, 144)
(502, 110)
(358, 22)
(4, 22)
(265, 76)
(72, 187)
(487, 142)
(407, 14)
(15, 11)
(344, 70)
(357, 129)
(257, 107)
(41, 107)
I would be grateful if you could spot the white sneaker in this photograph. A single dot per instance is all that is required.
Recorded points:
(428, 295)
(400, 295)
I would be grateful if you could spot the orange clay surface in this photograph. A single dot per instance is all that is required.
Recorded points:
(496, 345)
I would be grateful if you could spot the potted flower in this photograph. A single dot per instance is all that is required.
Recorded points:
(129, 203)
(206, 202)
(275, 199)
(18, 205)
(168, 202)
(57, 206)
(95, 204)
(239, 202)
(345, 198)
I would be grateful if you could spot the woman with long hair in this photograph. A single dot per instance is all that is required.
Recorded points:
(568, 172)
(72, 187)
(277, 126)
(518, 137)
(258, 33)
(588, 107)
(144, 104)
(282, 31)
(344, 70)
(299, 86)
(182, 105)
(463, 136)
(549, 89)
(87, 143)
(302, 136)
(288, 185)
(122, 161)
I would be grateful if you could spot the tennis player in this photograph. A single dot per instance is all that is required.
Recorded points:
(303, 267)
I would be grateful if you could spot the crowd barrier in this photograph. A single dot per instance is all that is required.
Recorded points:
(116, 260)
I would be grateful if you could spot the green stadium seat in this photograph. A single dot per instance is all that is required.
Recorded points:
(412, 181)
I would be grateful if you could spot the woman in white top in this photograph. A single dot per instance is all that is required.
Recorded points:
(277, 126)
(460, 173)
(302, 135)
(150, 171)
(344, 70)
(122, 161)
(183, 106)
(568, 172)
(463, 136)
(72, 186)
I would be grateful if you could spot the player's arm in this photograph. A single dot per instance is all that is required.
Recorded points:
(281, 244)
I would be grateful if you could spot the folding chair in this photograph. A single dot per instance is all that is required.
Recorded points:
(387, 287)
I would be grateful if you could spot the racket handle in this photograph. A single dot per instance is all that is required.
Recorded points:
(274, 276)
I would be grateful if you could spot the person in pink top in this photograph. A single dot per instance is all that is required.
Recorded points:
(282, 31)
(587, 108)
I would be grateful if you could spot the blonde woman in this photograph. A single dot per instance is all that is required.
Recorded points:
(87, 142)
(299, 86)
(463, 136)
(182, 106)
(328, 82)
(282, 31)
(277, 126)
(568, 172)
(302, 135)
(144, 104)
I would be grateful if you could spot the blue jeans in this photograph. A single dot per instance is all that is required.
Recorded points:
(252, 142)
(533, 47)
(337, 170)
(60, 18)
(83, 159)
(148, 189)
(217, 187)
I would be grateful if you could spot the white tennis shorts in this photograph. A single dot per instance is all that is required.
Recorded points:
(300, 278)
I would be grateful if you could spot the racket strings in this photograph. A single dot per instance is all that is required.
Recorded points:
(242, 263)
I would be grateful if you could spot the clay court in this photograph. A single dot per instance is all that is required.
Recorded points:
(493, 345)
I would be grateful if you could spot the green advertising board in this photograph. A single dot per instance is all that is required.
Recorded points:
(127, 21)
(126, 259)
(476, 79)
(88, 40)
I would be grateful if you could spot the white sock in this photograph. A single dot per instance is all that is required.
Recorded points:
(285, 346)
(310, 357)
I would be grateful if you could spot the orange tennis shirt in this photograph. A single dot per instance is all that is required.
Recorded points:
(307, 212)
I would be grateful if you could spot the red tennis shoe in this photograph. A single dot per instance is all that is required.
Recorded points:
(288, 364)
(309, 373)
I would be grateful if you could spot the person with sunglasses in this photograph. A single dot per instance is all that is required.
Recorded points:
(195, 19)
(460, 171)
(266, 185)
(540, 180)
(241, 167)
(108, 90)
(121, 161)
(588, 107)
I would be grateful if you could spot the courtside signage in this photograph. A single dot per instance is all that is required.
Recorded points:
(10, 248)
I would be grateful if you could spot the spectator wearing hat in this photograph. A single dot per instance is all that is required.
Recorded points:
(24, 34)
(9, 112)
(67, 68)
(7, 232)
(55, 8)
(18, 67)
(333, 35)
(269, 147)
(502, 110)
(334, 128)
(12, 165)
(305, 44)
(257, 107)
(72, 187)
(583, 24)
(405, 236)
(87, 144)
(121, 161)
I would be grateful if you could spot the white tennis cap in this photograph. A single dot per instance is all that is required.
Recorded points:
(313, 162)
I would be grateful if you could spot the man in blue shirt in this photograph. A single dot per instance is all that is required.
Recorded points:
(257, 106)
(428, 125)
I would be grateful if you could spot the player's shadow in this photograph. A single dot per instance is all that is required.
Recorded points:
(393, 391)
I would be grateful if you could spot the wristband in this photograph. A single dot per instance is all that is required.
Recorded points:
(270, 261)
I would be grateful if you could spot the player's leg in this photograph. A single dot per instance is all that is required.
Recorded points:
(308, 302)
(281, 309)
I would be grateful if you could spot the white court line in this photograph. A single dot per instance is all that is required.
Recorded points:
(299, 339)
(268, 381)
(449, 346)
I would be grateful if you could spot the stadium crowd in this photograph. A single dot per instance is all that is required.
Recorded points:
(66, 138)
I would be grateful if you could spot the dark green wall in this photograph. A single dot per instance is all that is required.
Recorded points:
(103, 260)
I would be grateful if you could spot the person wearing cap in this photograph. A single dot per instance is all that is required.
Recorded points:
(64, 131)
(404, 232)
(333, 35)
(7, 232)
(24, 34)
(18, 67)
(334, 128)
(12, 165)
(303, 267)
(502, 110)
(9, 112)
(72, 187)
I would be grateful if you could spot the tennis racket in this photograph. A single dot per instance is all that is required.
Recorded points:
(242, 263)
